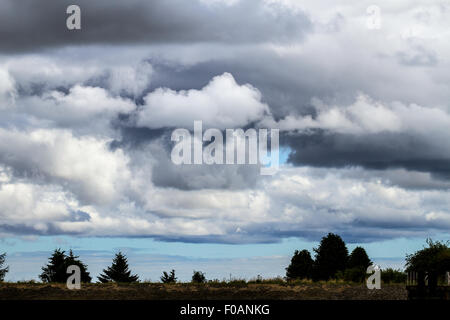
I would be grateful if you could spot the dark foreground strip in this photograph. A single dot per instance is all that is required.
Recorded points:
(229, 309)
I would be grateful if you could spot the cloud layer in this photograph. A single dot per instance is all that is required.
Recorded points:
(86, 118)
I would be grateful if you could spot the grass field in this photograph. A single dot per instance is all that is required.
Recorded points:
(210, 291)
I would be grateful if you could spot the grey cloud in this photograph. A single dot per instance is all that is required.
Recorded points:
(373, 151)
(187, 44)
(419, 56)
(26, 26)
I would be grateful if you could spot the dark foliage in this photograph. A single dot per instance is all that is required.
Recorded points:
(434, 258)
(118, 271)
(357, 265)
(56, 269)
(168, 278)
(198, 277)
(331, 257)
(301, 266)
(432, 261)
(359, 259)
(71, 260)
(393, 276)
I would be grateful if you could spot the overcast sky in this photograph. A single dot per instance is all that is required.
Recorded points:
(86, 117)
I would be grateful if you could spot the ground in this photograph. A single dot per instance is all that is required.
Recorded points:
(210, 291)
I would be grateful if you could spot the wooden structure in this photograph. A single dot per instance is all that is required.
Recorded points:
(427, 285)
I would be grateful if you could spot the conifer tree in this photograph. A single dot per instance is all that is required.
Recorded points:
(118, 271)
(71, 259)
(169, 278)
(55, 271)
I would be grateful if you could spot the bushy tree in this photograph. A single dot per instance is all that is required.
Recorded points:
(168, 278)
(435, 257)
(198, 277)
(433, 260)
(359, 259)
(356, 267)
(118, 271)
(331, 257)
(301, 266)
(3, 269)
(56, 269)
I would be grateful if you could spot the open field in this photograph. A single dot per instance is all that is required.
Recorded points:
(210, 291)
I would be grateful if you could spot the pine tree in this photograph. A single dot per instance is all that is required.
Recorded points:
(169, 278)
(3, 270)
(55, 271)
(71, 260)
(118, 271)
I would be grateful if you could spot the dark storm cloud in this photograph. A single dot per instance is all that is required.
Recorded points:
(372, 151)
(26, 25)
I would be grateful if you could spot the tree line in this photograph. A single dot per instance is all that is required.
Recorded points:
(331, 261)
(55, 271)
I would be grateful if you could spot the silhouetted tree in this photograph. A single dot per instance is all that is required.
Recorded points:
(71, 260)
(55, 271)
(301, 266)
(434, 261)
(356, 270)
(198, 277)
(331, 257)
(118, 271)
(3, 270)
(359, 259)
(168, 278)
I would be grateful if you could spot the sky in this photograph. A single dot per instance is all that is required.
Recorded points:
(86, 118)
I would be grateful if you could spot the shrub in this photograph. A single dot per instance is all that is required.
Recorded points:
(390, 275)
(356, 274)
(359, 259)
(433, 261)
(169, 278)
(198, 277)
